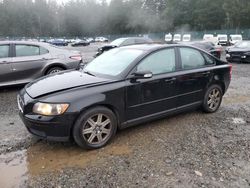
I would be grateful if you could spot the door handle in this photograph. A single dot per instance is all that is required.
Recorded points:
(4, 62)
(170, 80)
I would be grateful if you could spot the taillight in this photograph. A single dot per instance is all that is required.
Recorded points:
(76, 57)
(231, 71)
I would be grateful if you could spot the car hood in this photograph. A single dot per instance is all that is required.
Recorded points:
(235, 49)
(62, 81)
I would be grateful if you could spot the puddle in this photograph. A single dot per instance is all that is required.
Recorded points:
(13, 169)
(17, 167)
(236, 99)
(42, 158)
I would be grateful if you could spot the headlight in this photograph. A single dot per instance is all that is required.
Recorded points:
(49, 109)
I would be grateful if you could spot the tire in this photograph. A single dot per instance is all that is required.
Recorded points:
(212, 99)
(96, 134)
(54, 70)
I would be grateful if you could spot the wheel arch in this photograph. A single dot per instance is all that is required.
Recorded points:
(54, 65)
(108, 106)
(221, 84)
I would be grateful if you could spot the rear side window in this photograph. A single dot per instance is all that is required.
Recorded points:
(128, 42)
(140, 41)
(159, 62)
(4, 51)
(27, 50)
(43, 50)
(209, 59)
(191, 58)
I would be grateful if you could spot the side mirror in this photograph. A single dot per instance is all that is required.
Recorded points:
(142, 75)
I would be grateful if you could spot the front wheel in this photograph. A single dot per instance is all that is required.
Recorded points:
(95, 128)
(212, 99)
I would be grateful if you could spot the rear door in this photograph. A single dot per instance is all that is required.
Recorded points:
(156, 95)
(6, 73)
(28, 62)
(194, 76)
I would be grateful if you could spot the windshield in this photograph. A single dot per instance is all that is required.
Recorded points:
(117, 42)
(236, 38)
(243, 45)
(177, 37)
(113, 62)
(223, 38)
(186, 38)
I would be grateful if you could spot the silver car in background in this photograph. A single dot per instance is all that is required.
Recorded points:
(22, 62)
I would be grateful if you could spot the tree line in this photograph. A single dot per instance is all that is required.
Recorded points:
(36, 18)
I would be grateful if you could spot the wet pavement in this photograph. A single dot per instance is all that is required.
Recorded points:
(192, 149)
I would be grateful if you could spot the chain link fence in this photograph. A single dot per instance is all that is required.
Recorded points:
(157, 37)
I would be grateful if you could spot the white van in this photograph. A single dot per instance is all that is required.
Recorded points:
(168, 37)
(177, 38)
(222, 39)
(186, 38)
(234, 39)
(208, 37)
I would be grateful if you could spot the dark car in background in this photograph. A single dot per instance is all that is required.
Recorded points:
(123, 42)
(240, 52)
(80, 43)
(58, 42)
(210, 47)
(121, 88)
(22, 62)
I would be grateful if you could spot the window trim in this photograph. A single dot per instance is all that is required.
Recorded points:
(44, 48)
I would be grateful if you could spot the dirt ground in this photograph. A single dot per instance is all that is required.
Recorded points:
(192, 149)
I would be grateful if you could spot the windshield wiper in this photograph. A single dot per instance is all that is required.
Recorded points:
(89, 73)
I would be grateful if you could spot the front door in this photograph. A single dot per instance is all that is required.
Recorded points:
(146, 97)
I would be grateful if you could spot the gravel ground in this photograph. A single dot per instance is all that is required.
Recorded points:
(187, 150)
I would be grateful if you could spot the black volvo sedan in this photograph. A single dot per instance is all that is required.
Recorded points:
(121, 88)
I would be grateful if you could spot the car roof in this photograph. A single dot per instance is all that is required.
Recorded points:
(125, 38)
(153, 47)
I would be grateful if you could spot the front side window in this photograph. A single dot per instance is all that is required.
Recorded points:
(191, 58)
(27, 50)
(128, 42)
(159, 62)
(4, 51)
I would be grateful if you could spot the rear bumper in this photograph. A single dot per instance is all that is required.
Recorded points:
(48, 128)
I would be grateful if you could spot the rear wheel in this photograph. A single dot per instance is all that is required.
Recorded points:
(95, 128)
(212, 99)
(54, 70)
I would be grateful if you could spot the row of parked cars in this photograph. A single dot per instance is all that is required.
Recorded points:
(76, 42)
(220, 39)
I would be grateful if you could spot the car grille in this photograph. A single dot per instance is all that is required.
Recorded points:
(20, 103)
(236, 54)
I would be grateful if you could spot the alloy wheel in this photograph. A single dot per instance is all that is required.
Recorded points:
(214, 98)
(54, 71)
(97, 129)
